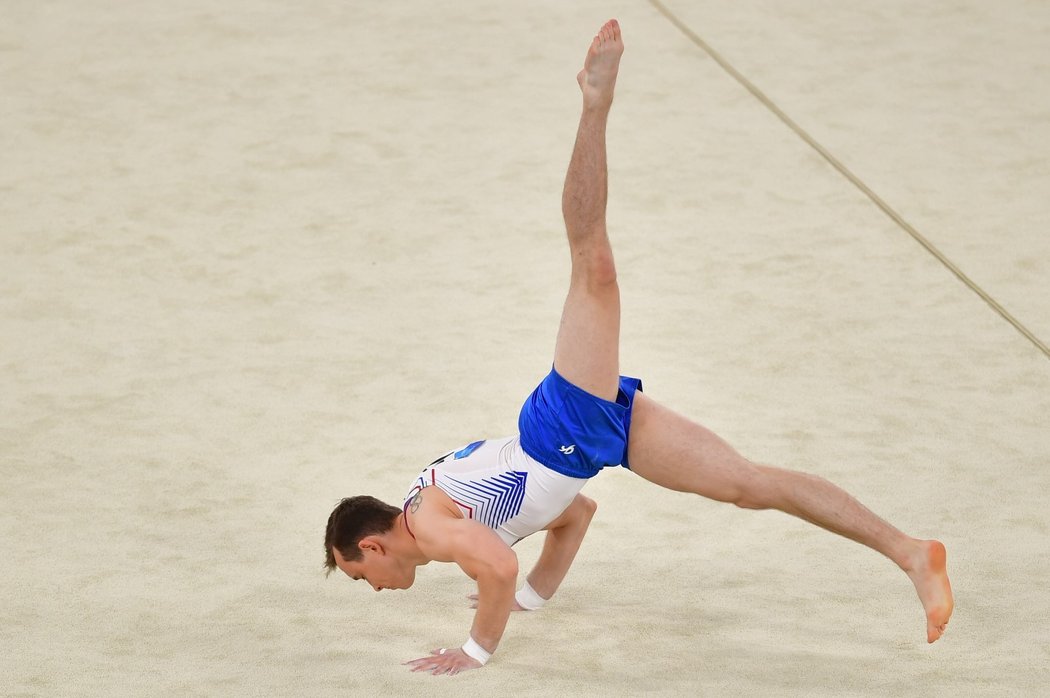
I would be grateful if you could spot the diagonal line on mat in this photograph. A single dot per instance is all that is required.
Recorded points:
(845, 172)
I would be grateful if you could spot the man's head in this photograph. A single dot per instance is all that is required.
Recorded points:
(361, 541)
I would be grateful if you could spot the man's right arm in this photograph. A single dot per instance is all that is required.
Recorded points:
(482, 555)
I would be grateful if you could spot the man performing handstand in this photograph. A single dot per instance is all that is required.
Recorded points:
(471, 505)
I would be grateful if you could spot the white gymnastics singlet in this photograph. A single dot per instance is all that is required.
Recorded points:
(496, 483)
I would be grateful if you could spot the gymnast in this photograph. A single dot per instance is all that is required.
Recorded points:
(472, 504)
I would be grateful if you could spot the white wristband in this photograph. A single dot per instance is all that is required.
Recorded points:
(528, 599)
(473, 649)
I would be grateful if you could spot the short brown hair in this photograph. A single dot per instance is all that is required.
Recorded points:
(350, 521)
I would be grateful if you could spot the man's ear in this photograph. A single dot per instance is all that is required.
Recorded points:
(371, 543)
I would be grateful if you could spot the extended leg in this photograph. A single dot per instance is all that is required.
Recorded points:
(671, 451)
(588, 345)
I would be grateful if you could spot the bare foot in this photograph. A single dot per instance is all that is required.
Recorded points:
(930, 577)
(598, 77)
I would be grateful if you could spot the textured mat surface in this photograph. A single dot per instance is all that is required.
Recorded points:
(256, 259)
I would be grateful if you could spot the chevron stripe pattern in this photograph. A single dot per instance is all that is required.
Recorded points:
(491, 500)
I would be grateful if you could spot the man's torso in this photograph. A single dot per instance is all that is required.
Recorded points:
(497, 484)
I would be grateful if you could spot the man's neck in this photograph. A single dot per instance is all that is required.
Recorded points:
(405, 542)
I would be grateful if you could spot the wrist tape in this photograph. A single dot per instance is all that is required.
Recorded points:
(473, 649)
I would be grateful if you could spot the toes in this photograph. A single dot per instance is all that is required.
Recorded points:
(934, 632)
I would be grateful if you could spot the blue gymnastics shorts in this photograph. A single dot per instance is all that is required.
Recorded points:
(573, 432)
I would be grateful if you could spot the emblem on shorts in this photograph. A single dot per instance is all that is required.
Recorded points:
(567, 450)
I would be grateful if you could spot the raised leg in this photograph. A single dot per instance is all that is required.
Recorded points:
(674, 452)
(587, 350)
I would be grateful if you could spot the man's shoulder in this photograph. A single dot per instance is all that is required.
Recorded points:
(430, 506)
(436, 522)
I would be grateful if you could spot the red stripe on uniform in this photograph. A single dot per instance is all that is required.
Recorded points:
(406, 521)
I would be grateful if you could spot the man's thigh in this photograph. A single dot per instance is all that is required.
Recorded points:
(587, 353)
(674, 452)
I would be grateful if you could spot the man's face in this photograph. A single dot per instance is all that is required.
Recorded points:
(377, 567)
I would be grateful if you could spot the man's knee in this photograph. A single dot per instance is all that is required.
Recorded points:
(754, 488)
(595, 267)
(587, 505)
(582, 510)
(577, 515)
